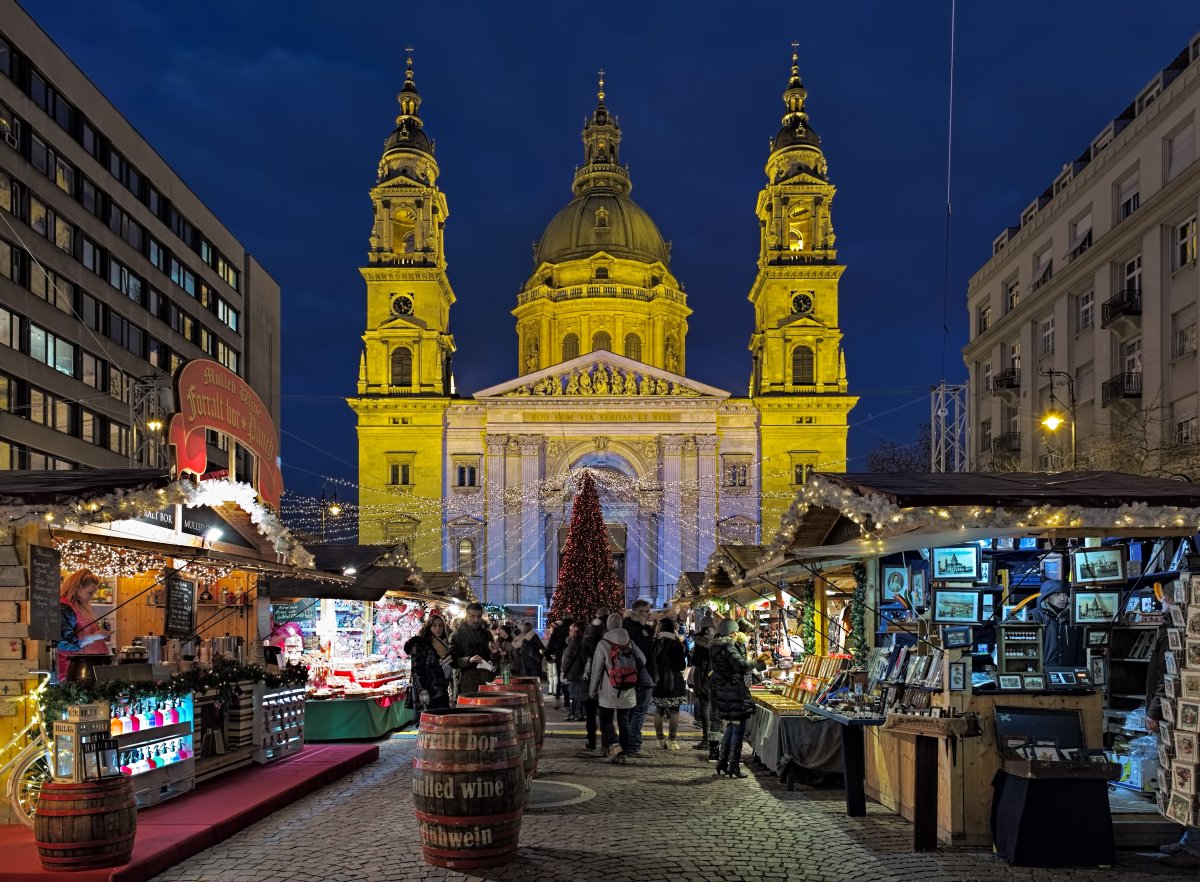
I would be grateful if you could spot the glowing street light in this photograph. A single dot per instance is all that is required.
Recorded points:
(1052, 421)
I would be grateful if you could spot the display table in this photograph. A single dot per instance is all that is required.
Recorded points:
(351, 719)
(853, 756)
(787, 743)
(1030, 827)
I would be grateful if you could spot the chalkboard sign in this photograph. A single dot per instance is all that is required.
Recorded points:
(45, 580)
(180, 619)
(304, 609)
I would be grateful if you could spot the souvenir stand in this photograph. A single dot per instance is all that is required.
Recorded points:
(940, 743)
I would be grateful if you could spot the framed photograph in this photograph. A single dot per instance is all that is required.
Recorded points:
(1187, 719)
(1179, 590)
(1098, 566)
(956, 636)
(958, 676)
(1098, 637)
(918, 578)
(956, 606)
(1193, 654)
(1168, 711)
(1010, 681)
(1096, 669)
(1193, 622)
(1027, 543)
(1035, 681)
(959, 563)
(895, 580)
(1185, 747)
(1005, 543)
(1189, 685)
(1194, 587)
(1175, 639)
(1046, 753)
(985, 573)
(1176, 614)
(1183, 779)
(1170, 662)
(1181, 809)
(1095, 607)
(1171, 687)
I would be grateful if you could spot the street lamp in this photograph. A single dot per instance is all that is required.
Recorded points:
(329, 508)
(1053, 420)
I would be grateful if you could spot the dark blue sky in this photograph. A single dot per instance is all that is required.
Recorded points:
(276, 114)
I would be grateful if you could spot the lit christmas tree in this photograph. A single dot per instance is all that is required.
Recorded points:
(586, 577)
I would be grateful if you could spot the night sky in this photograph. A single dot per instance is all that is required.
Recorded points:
(276, 114)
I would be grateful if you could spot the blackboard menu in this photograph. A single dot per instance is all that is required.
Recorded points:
(45, 580)
(305, 609)
(180, 618)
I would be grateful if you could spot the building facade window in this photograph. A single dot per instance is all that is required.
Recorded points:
(1048, 336)
(1128, 197)
(1185, 243)
(570, 347)
(735, 470)
(633, 347)
(985, 377)
(1132, 275)
(601, 340)
(400, 474)
(402, 366)
(1085, 311)
(803, 366)
(1180, 150)
(983, 318)
(51, 350)
(1183, 332)
(1131, 356)
(1012, 295)
(466, 475)
(466, 557)
(985, 435)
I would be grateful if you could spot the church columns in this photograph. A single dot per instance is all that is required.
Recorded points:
(386, 221)
(494, 587)
(670, 556)
(706, 491)
(532, 540)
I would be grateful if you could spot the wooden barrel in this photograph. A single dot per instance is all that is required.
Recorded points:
(534, 686)
(518, 703)
(85, 826)
(468, 787)
(539, 721)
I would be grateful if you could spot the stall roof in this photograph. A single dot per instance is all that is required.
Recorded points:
(377, 570)
(78, 485)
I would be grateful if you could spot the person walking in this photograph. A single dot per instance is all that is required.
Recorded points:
(730, 695)
(587, 649)
(701, 668)
(471, 651)
(556, 642)
(527, 651)
(428, 688)
(637, 625)
(615, 668)
(573, 670)
(670, 691)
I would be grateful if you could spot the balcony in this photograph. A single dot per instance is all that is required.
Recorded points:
(1007, 380)
(1126, 304)
(1006, 443)
(1123, 385)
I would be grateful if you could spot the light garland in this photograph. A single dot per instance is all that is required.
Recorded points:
(111, 561)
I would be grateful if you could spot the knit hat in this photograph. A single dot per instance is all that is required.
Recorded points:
(745, 627)
(614, 621)
(727, 627)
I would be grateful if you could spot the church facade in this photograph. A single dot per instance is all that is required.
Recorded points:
(482, 483)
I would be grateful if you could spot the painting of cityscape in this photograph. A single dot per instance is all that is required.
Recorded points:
(1095, 607)
(957, 564)
(951, 606)
(1098, 566)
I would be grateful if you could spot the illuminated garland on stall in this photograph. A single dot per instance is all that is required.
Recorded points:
(110, 561)
(808, 621)
(858, 615)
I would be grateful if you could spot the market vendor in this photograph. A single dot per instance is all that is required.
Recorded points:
(469, 647)
(1062, 642)
(82, 632)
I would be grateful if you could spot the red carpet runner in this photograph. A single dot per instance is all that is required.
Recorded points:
(170, 833)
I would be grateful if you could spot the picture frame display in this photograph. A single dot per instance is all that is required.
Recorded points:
(1187, 717)
(1181, 809)
(958, 563)
(1183, 778)
(1193, 622)
(893, 580)
(1098, 566)
(1175, 640)
(1189, 686)
(1095, 607)
(1035, 681)
(985, 573)
(919, 579)
(1177, 616)
(1192, 653)
(1194, 588)
(956, 636)
(1185, 747)
(1097, 670)
(958, 676)
(1010, 681)
(956, 606)
(1098, 637)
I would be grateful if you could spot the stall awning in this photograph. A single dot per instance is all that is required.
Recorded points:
(78, 485)
(355, 572)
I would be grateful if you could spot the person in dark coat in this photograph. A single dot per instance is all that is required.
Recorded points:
(428, 688)
(555, 644)
(1062, 642)
(669, 692)
(470, 648)
(573, 669)
(730, 696)
(591, 709)
(638, 626)
(701, 668)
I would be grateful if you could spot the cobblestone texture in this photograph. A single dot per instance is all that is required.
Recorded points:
(661, 818)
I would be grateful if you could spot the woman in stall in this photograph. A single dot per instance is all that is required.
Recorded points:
(82, 632)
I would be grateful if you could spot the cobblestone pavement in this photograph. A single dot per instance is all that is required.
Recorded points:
(661, 818)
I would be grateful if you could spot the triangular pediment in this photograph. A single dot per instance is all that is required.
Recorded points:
(597, 375)
(403, 321)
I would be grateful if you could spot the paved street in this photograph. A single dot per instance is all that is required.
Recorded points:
(663, 818)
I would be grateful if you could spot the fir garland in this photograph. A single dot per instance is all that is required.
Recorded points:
(223, 677)
(808, 620)
(858, 615)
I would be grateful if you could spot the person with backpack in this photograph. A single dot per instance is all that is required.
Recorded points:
(670, 691)
(616, 666)
(587, 650)
(730, 695)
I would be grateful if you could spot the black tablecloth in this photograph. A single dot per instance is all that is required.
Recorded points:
(778, 741)
(1051, 822)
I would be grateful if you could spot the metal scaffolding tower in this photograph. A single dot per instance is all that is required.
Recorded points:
(948, 428)
(149, 405)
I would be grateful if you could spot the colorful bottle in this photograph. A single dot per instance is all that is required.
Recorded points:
(144, 714)
(115, 726)
(134, 722)
(172, 714)
(156, 716)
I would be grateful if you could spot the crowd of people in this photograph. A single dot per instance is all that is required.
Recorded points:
(607, 673)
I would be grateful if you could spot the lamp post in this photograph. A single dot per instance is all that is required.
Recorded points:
(1052, 421)
(329, 508)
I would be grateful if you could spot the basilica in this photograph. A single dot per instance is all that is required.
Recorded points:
(482, 483)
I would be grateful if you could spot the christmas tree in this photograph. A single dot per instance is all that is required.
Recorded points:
(586, 578)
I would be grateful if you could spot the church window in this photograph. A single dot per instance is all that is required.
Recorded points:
(601, 272)
(601, 217)
(570, 347)
(633, 347)
(601, 340)
(803, 367)
(404, 229)
(466, 476)
(466, 557)
(400, 474)
(735, 470)
(797, 222)
(801, 472)
(402, 364)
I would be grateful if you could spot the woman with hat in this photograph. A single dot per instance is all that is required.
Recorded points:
(670, 690)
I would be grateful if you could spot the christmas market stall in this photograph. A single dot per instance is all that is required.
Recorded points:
(1002, 631)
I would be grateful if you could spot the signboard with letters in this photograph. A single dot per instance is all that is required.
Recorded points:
(45, 582)
(180, 614)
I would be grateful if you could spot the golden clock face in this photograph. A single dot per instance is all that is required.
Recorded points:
(802, 304)
(402, 305)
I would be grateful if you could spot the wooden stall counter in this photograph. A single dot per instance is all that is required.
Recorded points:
(966, 765)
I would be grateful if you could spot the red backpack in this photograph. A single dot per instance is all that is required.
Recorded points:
(622, 666)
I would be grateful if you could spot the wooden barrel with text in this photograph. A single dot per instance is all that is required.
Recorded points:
(468, 787)
(539, 721)
(87, 825)
(518, 703)
(534, 685)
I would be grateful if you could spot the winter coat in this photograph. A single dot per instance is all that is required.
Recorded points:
(643, 638)
(600, 687)
(558, 640)
(528, 649)
(467, 641)
(728, 693)
(1062, 642)
(573, 667)
(701, 667)
(428, 686)
(670, 658)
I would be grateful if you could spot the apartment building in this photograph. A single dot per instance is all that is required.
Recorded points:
(113, 272)
(1089, 302)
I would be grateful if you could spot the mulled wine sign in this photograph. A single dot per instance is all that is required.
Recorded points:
(45, 581)
(180, 613)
